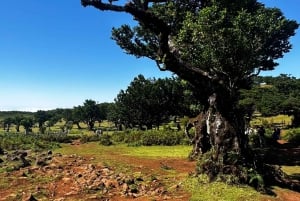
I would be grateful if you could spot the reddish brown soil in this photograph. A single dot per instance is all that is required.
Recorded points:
(62, 179)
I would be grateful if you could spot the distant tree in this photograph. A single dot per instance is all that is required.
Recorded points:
(7, 122)
(103, 111)
(286, 84)
(291, 106)
(52, 121)
(148, 102)
(130, 103)
(90, 113)
(218, 47)
(68, 126)
(41, 117)
(72, 115)
(278, 95)
(67, 115)
(268, 100)
(17, 121)
(113, 115)
(27, 123)
(77, 116)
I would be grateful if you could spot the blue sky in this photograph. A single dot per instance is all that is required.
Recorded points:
(56, 54)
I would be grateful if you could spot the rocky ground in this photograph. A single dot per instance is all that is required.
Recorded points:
(57, 177)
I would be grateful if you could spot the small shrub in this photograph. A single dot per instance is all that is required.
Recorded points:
(150, 137)
(56, 137)
(165, 137)
(293, 136)
(118, 137)
(89, 138)
(105, 140)
(14, 141)
(256, 180)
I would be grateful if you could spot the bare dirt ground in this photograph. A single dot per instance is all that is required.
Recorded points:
(75, 177)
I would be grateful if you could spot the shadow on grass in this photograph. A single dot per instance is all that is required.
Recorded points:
(280, 154)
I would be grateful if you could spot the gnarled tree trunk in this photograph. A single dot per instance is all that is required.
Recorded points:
(221, 146)
(220, 130)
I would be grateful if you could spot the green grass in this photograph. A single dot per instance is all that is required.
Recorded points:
(179, 151)
(293, 171)
(93, 148)
(218, 191)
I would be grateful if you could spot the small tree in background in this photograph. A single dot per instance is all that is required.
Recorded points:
(17, 121)
(41, 117)
(7, 122)
(90, 113)
(27, 123)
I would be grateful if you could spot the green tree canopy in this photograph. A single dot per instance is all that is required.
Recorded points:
(41, 117)
(90, 113)
(148, 102)
(27, 123)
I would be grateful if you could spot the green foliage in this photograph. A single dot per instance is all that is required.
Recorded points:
(165, 137)
(27, 123)
(89, 138)
(12, 114)
(90, 113)
(150, 137)
(105, 140)
(142, 102)
(293, 136)
(56, 137)
(41, 117)
(14, 141)
(128, 136)
(256, 179)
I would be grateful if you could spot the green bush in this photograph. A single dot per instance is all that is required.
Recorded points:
(56, 137)
(89, 138)
(150, 137)
(105, 140)
(128, 136)
(293, 136)
(14, 141)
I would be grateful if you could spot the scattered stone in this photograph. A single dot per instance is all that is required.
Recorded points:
(73, 175)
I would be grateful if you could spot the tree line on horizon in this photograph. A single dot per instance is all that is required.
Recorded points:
(147, 103)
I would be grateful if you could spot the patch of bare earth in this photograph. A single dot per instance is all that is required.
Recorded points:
(79, 178)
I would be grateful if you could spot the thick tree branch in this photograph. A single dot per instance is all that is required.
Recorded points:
(168, 58)
(102, 6)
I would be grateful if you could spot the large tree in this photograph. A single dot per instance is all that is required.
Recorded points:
(218, 46)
